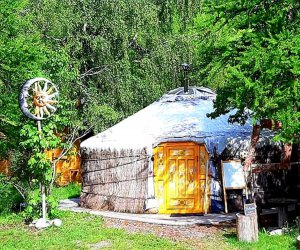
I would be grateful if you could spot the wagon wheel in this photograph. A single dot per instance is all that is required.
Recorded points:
(38, 99)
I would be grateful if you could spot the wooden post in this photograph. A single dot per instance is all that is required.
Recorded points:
(224, 189)
(205, 193)
(282, 216)
(247, 227)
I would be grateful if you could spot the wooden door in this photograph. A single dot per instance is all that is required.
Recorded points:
(179, 183)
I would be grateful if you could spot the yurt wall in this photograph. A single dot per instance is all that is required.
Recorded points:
(115, 180)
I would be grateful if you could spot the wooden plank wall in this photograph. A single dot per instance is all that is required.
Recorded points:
(67, 169)
(4, 166)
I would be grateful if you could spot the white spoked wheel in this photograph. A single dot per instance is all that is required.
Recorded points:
(38, 99)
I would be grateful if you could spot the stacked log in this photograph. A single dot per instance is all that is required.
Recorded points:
(115, 180)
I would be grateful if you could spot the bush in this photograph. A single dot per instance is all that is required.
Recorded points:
(10, 198)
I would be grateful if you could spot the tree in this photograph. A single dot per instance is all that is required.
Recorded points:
(109, 59)
(249, 51)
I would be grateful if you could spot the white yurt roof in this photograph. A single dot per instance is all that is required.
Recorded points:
(177, 116)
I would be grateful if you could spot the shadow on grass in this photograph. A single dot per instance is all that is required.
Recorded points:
(75, 196)
(230, 236)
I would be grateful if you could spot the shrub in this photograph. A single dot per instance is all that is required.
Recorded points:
(10, 198)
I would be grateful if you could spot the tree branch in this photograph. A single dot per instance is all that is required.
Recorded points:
(70, 143)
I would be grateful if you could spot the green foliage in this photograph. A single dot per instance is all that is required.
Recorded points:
(109, 59)
(118, 55)
(249, 50)
(9, 196)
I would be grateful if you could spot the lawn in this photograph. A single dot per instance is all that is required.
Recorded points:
(266, 242)
(71, 191)
(79, 231)
(86, 231)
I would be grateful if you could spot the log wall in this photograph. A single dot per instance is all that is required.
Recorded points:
(114, 180)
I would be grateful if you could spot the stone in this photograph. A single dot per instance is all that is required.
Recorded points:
(101, 244)
(276, 232)
(57, 222)
(40, 224)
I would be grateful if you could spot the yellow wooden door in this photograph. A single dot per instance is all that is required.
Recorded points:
(178, 180)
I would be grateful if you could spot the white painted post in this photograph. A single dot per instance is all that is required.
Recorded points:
(39, 125)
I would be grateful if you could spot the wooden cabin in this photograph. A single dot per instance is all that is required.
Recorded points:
(67, 169)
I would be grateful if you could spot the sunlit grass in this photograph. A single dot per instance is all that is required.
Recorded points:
(265, 242)
(71, 191)
(79, 231)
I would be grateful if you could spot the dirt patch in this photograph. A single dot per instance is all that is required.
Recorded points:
(175, 233)
(100, 245)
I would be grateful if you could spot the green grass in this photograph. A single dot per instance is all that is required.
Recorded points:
(82, 231)
(265, 242)
(71, 191)
(79, 231)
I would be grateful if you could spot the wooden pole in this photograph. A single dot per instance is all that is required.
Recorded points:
(224, 189)
(205, 191)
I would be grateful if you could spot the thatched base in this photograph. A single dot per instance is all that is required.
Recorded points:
(115, 181)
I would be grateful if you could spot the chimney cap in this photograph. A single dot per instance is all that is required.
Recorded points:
(185, 66)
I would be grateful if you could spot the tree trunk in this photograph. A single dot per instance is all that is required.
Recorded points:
(286, 156)
(247, 227)
(251, 152)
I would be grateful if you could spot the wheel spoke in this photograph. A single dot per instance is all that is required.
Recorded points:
(37, 110)
(35, 87)
(41, 113)
(52, 95)
(39, 87)
(50, 107)
(45, 87)
(49, 90)
(52, 101)
(46, 111)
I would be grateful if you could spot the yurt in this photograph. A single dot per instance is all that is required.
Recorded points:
(159, 159)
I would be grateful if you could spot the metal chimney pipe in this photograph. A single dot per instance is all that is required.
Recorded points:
(185, 67)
